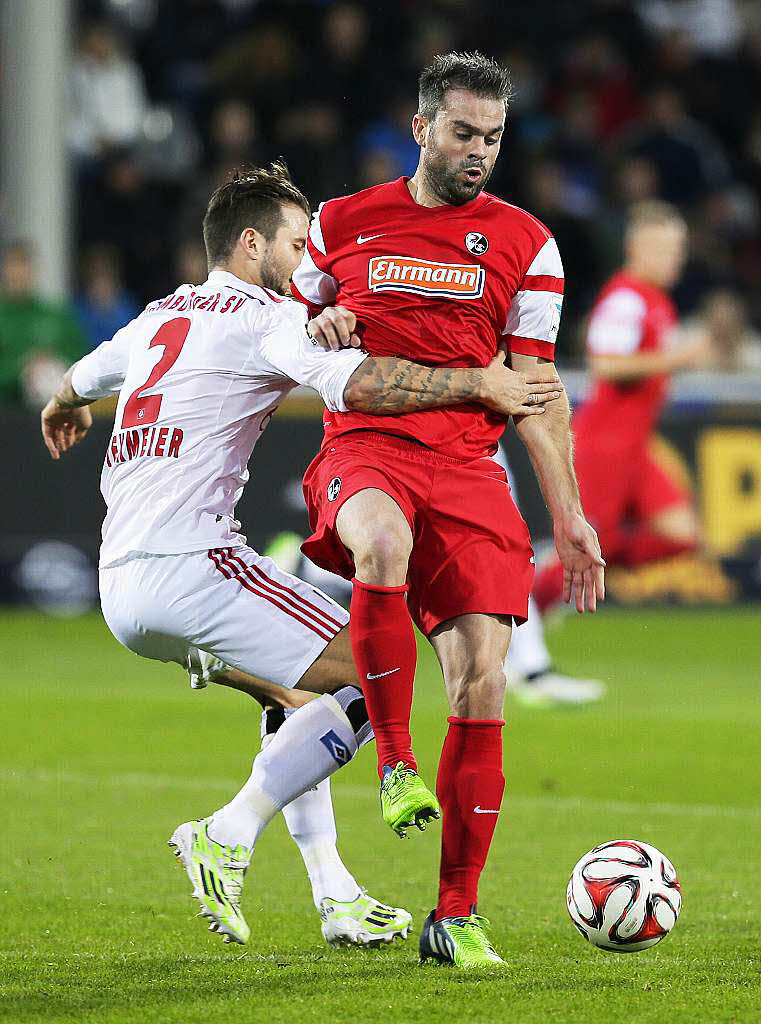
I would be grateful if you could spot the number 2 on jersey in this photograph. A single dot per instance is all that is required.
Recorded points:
(140, 409)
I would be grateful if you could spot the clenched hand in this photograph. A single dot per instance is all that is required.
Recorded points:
(334, 329)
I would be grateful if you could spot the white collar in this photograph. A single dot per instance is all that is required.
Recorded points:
(224, 277)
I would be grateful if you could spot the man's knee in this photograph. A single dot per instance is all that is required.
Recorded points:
(373, 527)
(478, 691)
(383, 555)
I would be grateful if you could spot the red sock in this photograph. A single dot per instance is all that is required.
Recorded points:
(385, 653)
(548, 586)
(646, 545)
(469, 786)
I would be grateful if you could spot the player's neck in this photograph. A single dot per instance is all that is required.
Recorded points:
(243, 270)
(422, 195)
(641, 274)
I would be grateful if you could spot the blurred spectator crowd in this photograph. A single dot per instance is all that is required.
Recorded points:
(615, 102)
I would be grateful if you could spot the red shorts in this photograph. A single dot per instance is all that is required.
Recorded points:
(471, 550)
(624, 487)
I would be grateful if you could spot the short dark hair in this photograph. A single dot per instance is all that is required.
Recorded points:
(253, 198)
(472, 71)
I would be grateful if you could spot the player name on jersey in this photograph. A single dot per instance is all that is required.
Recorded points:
(144, 442)
(426, 277)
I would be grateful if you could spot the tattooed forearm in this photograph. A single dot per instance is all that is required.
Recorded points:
(388, 386)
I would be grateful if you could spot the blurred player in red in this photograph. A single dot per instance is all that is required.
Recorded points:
(411, 506)
(639, 511)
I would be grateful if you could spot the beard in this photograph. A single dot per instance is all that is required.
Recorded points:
(274, 275)
(443, 180)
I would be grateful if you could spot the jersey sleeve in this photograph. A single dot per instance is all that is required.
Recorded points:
(287, 347)
(534, 315)
(102, 371)
(312, 281)
(617, 324)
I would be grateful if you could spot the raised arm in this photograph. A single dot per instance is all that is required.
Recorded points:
(550, 448)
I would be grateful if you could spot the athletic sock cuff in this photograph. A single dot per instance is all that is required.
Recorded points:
(453, 720)
(375, 589)
(346, 695)
(352, 702)
(272, 719)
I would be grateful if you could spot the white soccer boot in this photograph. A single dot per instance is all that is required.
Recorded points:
(553, 689)
(362, 922)
(216, 872)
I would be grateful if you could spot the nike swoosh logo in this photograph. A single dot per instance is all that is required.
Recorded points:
(478, 809)
(379, 675)
(361, 239)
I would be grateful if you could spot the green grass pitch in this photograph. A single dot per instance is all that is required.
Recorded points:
(102, 754)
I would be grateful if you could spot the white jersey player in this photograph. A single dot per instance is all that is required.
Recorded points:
(200, 374)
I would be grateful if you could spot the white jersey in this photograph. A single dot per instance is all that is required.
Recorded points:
(200, 375)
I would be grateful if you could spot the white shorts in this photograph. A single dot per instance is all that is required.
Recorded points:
(231, 602)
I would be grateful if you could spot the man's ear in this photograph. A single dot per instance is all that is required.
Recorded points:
(420, 129)
(252, 242)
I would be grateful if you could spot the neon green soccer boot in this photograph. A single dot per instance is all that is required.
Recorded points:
(364, 921)
(406, 800)
(217, 873)
(458, 941)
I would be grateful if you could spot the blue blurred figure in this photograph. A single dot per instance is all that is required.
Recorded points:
(103, 304)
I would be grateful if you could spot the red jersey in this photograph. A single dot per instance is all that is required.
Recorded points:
(629, 316)
(443, 286)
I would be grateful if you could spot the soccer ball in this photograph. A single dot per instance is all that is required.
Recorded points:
(624, 896)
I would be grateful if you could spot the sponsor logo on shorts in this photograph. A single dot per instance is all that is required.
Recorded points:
(425, 277)
(334, 488)
(476, 243)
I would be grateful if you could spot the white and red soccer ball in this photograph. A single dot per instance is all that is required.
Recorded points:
(624, 896)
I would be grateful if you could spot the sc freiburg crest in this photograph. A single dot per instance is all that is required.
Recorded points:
(334, 488)
(476, 243)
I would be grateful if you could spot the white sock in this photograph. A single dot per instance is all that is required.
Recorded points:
(312, 826)
(311, 821)
(528, 652)
(312, 743)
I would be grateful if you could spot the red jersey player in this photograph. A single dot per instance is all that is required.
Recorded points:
(640, 512)
(411, 506)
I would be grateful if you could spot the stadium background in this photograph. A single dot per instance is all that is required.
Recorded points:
(118, 118)
(127, 113)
